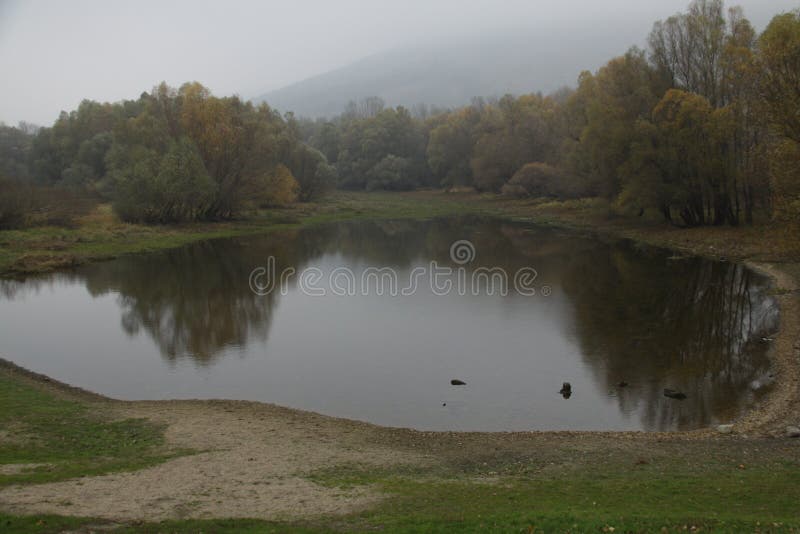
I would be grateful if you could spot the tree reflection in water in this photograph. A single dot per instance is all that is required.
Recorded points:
(635, 314)
(656, 321)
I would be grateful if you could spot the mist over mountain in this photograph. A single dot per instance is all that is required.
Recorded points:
(448, 74)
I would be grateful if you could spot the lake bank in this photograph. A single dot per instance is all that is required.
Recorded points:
(310, 471)
(101, 236)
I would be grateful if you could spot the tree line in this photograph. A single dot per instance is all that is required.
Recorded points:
(173, 155)
(702, 127)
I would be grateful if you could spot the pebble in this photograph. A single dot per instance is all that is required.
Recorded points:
(725, 429)
(792, 432)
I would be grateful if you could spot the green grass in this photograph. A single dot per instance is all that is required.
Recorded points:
(625, 501)
(720, 499)
(711, 494)
(68, 438)
(101, 236)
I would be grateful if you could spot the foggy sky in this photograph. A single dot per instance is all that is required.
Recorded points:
(53, 53)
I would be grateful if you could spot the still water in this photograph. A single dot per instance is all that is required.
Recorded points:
(187, 323)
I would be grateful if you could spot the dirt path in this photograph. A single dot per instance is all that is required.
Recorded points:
(254, 466)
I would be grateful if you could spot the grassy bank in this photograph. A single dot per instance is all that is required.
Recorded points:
(101, 236)
(47, 437)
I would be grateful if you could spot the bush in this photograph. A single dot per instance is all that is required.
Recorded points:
(155, 188)
(311, 170)
(391, 174)
(16, 203)
(542, 180)
(23, 204)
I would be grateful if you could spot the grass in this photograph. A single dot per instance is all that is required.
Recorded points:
(59, 439)
(606, 498)
(100, 235)
(707, 492)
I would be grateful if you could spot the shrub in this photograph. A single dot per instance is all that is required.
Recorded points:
(150, 187)
(16, 203)
(23, 204)
(392, 173)
(541, 180)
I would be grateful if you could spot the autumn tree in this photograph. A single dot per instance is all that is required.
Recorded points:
(511, 133)
(605, 110)
(779, 59)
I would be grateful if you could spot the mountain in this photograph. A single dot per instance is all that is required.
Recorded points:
(448, 74)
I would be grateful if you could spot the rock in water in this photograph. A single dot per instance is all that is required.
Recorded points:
(674, 394)
(792, 432)
(456, 382)
(566, 390)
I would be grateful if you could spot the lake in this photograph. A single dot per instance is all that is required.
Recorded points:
(371, 320)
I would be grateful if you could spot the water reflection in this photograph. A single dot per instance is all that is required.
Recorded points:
(629, 315)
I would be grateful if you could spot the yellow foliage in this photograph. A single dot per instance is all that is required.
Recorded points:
(281, 187)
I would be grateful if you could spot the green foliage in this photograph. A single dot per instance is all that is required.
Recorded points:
(392, 174)
(314, 175)
(363, 137)
(450, 147)
(55, 149)
(150, 187)
(15, 147)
